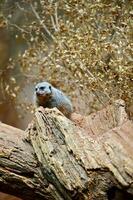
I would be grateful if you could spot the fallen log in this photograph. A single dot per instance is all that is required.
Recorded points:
(56, 158)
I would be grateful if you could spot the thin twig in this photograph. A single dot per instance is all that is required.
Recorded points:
(19, 28)
(53, 23)
(16, 26)
(41, 23)
(21, 8)
(56, 16)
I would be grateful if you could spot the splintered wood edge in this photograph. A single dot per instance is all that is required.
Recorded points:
(57, 138)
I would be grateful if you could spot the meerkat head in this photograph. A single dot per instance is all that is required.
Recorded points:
(43, 92)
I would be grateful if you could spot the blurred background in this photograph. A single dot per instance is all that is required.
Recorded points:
(82, 47)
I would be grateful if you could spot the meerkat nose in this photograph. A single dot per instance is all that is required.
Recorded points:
(38, 93)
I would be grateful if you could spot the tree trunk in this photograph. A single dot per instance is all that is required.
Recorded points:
(87, 158)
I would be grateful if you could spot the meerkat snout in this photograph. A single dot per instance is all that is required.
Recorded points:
(42, 90)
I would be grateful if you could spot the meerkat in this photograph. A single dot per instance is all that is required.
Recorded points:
(49, 97)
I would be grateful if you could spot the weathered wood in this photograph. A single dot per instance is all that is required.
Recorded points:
(80, 159)
(20, 173)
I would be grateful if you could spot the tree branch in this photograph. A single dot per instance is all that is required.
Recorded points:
(20, 174)
(80, 159)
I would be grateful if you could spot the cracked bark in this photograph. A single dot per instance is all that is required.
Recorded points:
(57, 158)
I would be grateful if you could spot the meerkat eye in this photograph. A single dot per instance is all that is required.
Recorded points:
(50, 87)
(42, 88)
(35, 89)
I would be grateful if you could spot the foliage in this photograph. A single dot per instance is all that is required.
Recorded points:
(84, 47)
